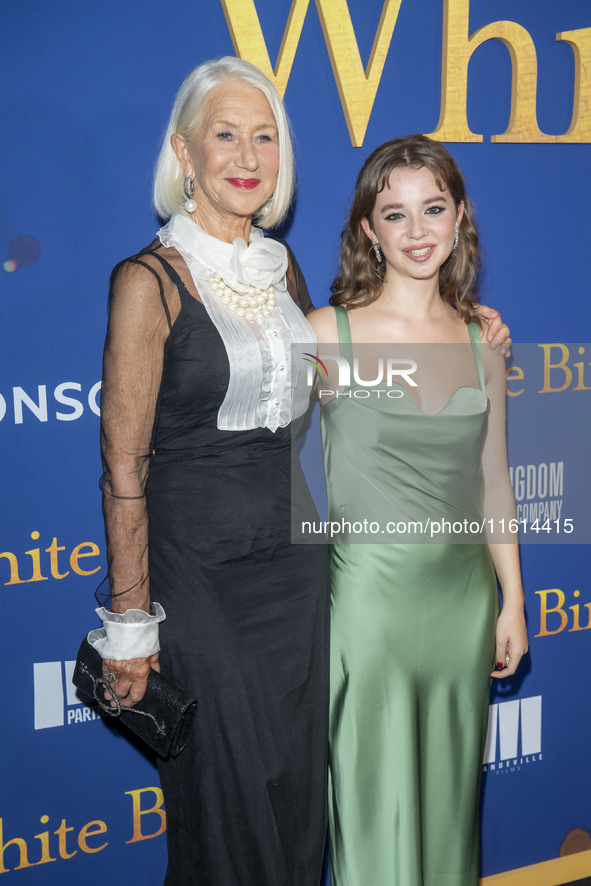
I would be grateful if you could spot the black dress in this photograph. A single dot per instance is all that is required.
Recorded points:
(247, 612)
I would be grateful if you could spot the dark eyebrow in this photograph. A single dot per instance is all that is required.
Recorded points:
(390, 206)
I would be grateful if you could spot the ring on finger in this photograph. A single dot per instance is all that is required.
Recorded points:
(112, 677)
(507, 660)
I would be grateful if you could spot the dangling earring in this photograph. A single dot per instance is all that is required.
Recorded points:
(456, 238)
(189, 187)
(377, 251)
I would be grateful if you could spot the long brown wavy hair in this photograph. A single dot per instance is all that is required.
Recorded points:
(360, 278)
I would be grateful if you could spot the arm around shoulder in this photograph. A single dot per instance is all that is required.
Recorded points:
(494, 330)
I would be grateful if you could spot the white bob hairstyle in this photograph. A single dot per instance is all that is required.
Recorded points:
(169, 197)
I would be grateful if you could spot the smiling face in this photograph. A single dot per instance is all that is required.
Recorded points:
(414, 222)
(232, 156)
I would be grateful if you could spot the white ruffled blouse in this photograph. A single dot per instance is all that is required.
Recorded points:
(264, 355)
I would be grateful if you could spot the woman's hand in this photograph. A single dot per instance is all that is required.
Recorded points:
(497, 332)
(511, 640)
(132, 678)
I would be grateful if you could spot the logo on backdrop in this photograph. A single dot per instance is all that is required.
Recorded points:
(56, 698)
(23, 406)
(514, 737)
(538, 491)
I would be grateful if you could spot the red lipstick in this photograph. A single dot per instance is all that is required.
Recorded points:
(244, 184)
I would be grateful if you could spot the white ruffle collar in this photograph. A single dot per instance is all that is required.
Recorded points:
(262, 263)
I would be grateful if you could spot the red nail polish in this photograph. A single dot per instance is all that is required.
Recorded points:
(500, 666)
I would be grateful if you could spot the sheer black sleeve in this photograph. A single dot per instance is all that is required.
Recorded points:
(296, 285)
(138, 327)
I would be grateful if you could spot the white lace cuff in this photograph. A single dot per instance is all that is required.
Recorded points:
(131, 634)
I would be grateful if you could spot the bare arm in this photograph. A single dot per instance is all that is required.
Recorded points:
(499, 504)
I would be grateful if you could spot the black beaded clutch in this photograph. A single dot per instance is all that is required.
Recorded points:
(164, 716)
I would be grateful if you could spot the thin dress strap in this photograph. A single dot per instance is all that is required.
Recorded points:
(173, 275)
(474, 330)
(344, 331)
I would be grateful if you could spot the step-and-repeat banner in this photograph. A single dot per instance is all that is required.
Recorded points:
(86, 92)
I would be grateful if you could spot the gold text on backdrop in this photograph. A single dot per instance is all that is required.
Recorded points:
(458, 48)
(358, 87)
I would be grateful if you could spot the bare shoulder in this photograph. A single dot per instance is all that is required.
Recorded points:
(324, 323)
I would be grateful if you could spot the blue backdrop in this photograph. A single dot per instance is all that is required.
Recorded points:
(87, 89)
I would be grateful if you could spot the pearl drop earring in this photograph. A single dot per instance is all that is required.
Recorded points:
(189, 187)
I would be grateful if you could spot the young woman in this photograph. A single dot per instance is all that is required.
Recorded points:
(415, 626)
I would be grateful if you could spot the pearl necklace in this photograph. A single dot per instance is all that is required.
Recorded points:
(255, 304)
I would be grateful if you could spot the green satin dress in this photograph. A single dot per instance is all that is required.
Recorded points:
(412, 643)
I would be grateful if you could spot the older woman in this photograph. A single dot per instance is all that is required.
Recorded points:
(197, 402)
(195, 429)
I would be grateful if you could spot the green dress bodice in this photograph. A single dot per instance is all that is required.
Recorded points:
(388, 462)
